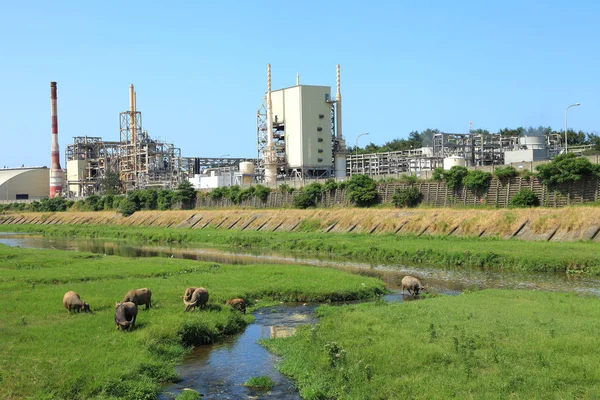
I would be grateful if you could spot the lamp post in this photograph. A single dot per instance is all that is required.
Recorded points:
(566, 141)
(356, 148)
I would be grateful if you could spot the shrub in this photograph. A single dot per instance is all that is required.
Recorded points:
(261, 192)
(477, 180)
(438, 174)
(164, 200)
(505, 172)
(362, 190)
(186, 194)
(454, 177)
(285, 188)
(304, 200)
(330, 185)
(127, 207)
(566, 168)
(218, 193)
(527, 175)
(412, 179)
(524, 198)
(407, 197)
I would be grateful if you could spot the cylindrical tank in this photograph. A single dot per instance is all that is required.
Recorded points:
(247, 170)
(533, 142)
(339, 168)
(453, 161)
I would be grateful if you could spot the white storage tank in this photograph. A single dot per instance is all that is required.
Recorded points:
(453, 161)
(533, 142)
(246, 170)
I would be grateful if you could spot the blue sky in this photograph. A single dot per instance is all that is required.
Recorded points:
(199, 68)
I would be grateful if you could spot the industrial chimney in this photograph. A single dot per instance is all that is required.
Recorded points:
(270, 162)
(339, 157)
(56, 173)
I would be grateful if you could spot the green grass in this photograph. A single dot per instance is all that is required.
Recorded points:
(45, 353)
(260, 382)
(491, 344)
(441, 251)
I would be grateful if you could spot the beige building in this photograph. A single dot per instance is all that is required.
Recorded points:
(24, 183)
(302, 112)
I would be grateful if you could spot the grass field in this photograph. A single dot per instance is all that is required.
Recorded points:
(442, 251)
(46, 353)
(490, 344)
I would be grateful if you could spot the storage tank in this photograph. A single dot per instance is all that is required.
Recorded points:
(453, 161)
(247, 171)
(533, 142)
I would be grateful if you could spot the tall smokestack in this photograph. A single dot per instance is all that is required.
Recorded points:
(338, 105)
(270, 164)
(339, 157)
(132, 122)
(56, 173)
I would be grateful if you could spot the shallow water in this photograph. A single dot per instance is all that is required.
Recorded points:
(218, 371)
(450, 281)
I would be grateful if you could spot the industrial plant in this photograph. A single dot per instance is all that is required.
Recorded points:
(299, 136)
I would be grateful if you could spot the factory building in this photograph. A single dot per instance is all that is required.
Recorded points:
(299, 132)
(24, 183)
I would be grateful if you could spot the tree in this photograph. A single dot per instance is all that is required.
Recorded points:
(454, 177)
(407, 197)
(477, 180)
(186, 194)
(110, 183)
(524, 198)
(566, 168)
(362, 190)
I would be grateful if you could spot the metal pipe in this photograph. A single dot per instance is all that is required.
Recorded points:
(56, 173)
(132, 118)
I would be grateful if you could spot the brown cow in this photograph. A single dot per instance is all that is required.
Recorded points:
(188, 293)
(139, 297)
(72, 301)
(238, 304)
(411, 283)
(199, 299)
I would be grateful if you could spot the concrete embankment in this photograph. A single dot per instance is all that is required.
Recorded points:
(565, 224)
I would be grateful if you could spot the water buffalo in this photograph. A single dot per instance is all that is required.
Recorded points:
(188, 293)
(199, 299)
(125, 315)
(412, 284)
(139, 297)
(238, 304)
(72, 301)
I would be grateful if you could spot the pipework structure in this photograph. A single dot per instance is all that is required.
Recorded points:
(299, 133)
(140, 161)
(145, 162)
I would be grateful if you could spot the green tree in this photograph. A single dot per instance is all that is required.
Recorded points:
(186, 195)
(506, 172)
(110, 183)
(477, 180)
(127, 207)
(407, 197)
(454, 177)
(524, 198)
(362, 190)
(164, 199)
(566, 168)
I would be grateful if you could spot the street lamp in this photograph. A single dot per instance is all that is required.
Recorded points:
(566, 141)
(356, 148)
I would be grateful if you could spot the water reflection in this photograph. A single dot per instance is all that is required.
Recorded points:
(451, 281)
(219, 371)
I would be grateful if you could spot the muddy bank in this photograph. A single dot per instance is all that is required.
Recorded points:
(565, 224)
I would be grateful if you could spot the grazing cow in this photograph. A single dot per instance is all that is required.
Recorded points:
(412, 284)
(72, 301)
(238, 304)
(199, 299)
(125, 315)
(139, 297)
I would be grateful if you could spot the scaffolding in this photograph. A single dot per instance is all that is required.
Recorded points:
(393, 162)
(278, 142)
(96, 156)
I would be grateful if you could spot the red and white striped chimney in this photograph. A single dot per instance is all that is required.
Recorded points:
(56, 173)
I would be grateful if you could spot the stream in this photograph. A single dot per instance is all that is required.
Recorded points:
(218, 371)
